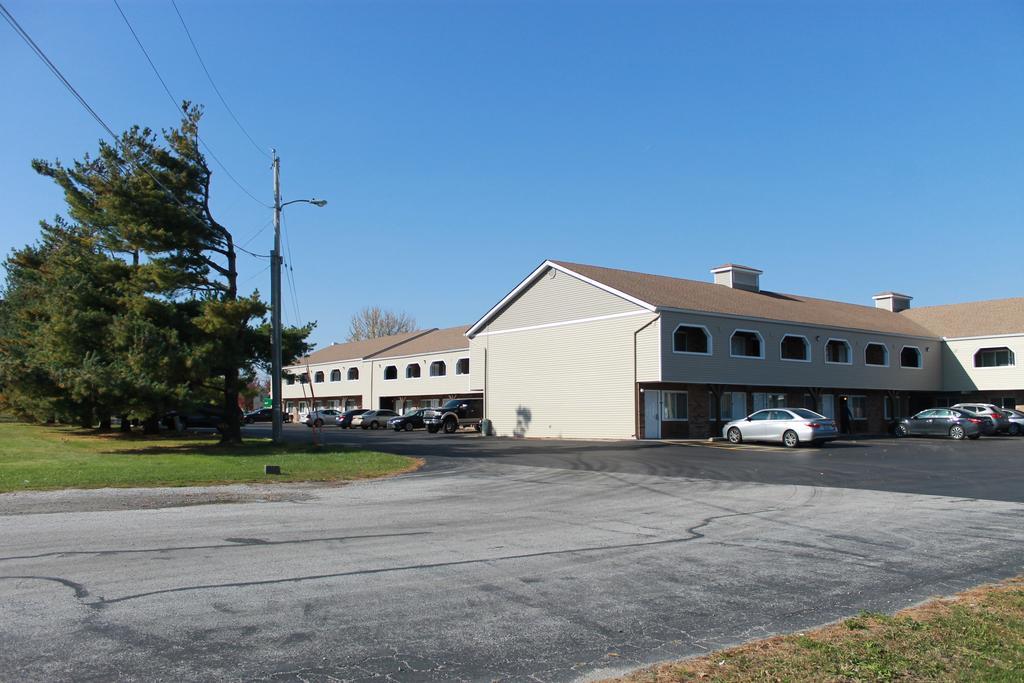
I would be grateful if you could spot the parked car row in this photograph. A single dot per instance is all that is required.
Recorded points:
(455, 414)
(963, 421)
(264, 415)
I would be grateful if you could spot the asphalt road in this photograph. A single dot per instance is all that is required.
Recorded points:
(537, 560)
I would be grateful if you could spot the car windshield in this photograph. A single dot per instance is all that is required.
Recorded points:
(807, 414)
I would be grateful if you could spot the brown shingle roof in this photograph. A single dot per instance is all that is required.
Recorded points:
(693, 295)
(358, 349)
(975, 319)
(447, 339)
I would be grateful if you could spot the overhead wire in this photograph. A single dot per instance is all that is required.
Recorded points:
(24, 35)
(177, 105)
(215, 88)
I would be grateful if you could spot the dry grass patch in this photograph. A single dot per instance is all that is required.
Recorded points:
(977, 635)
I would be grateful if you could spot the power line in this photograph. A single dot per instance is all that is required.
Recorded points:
(257, 233)
(81, 100)
(175, 101)
(215, 88)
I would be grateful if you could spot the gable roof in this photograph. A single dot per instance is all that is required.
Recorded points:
(974, 319)
(662, 292)
(357, 350)
(447, 339)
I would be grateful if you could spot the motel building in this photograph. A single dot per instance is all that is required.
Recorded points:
(578, 351)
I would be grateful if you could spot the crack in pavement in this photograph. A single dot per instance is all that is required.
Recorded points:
(103, 602)
(231, 543)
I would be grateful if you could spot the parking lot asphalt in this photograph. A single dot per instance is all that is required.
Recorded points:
(507, 560)
(991, 468)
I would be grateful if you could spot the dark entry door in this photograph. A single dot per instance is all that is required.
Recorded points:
(387, 403)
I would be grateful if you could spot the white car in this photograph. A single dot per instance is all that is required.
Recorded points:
(318, 418)
(788, 426)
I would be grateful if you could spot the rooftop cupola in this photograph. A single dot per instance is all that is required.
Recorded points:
(738, 277)
(892, 301)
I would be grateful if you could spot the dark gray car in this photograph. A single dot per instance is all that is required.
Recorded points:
(948, 422)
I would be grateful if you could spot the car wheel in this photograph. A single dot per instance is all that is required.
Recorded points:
(957, 432)
(1014, 429)
(432, 429)
(734, 436)
(790, 439)
(318, 423)
(901, 430)
(450, 425)
(374, 425)
(248, 420)
(408, 426)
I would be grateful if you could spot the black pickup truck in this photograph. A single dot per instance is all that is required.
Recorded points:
(456, 413)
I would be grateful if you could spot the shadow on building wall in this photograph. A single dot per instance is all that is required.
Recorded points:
(523, 418)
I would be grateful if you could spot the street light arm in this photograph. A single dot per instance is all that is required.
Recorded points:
(314, 202)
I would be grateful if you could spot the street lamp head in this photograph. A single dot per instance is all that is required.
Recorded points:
(318, 202)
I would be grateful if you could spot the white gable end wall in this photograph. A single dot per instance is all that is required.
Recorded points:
(560, 362)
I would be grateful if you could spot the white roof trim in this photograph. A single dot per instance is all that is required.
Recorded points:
(533, 277)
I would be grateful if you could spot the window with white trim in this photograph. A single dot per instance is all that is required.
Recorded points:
(438, 369)
(335, 375)
(794, 347)
(837, 351)
(412, 370)
(732, 404)
(876, 354)
(746, 344)
(674, 406)
(318, 377)
(391, 372)
(353, 373)
(289, 379)
(993, 358)
(462, 366)
(910, 357)
(691, 339)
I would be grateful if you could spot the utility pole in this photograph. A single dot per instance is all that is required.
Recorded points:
(275, 307)
(275, 298)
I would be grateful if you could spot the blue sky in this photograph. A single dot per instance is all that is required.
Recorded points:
(842, 147)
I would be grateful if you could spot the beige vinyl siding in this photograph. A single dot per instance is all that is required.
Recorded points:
(721, 368)
(345, 388)
(477, 364)
(961, 375)
(570, 381)
(424, 385)
(648, 352)
(556, 297)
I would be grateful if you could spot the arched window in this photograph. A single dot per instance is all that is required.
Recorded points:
(438, 369)
(353, 373)
(993, 358)
(691, 339)
(335, 375)
(391, 372)
(876, 354)
(304, 378)
(318, 377)
(910, 357)
(838, 351)
(794, 347)
(746, 344)
(462, 367)
(412, 370)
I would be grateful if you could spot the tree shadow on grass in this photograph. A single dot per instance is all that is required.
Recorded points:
(253, 450)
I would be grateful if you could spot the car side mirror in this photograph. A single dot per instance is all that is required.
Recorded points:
(748, 419)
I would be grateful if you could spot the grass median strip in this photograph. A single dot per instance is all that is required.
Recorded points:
(977, 635)
(36, 457)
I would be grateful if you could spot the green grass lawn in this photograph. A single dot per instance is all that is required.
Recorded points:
(34, 457)
(978, 635)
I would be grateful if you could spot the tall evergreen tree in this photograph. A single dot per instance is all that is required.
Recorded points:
(181, 322)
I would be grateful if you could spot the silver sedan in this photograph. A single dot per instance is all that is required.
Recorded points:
(788, 426)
